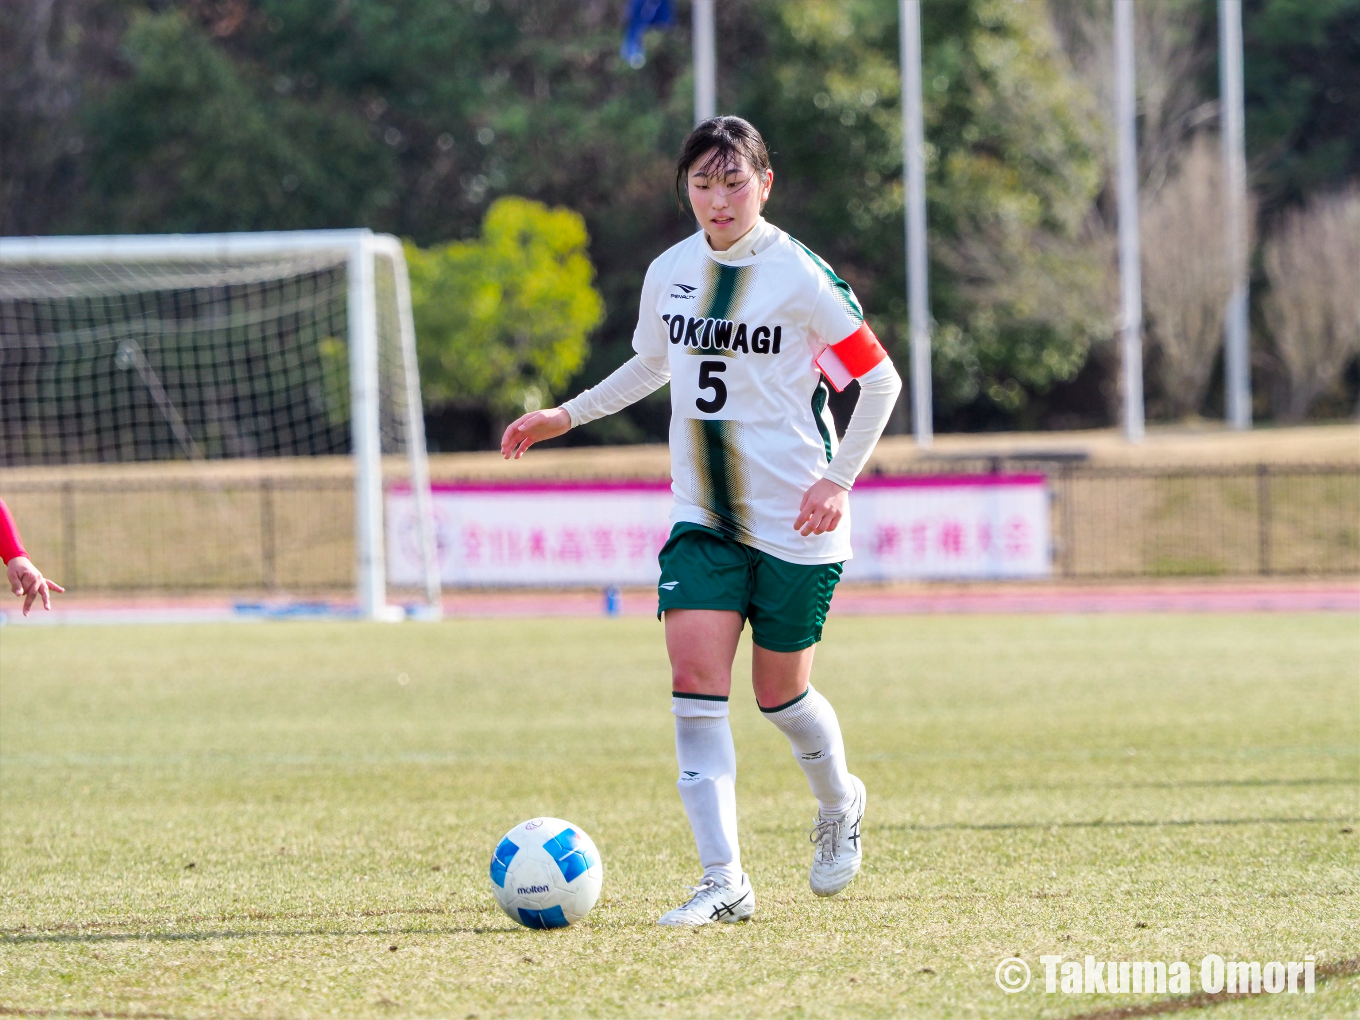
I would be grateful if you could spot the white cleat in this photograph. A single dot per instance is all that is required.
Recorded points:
(712, 902)
(838, 853)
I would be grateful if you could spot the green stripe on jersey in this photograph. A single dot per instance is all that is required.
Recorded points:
(727, 286)
(819, 396)
(715, 446)
(841, 288)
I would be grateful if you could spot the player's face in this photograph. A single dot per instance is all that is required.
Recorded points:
(727, 199)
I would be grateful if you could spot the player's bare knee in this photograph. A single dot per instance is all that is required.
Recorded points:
(778, 691)
(694, 678)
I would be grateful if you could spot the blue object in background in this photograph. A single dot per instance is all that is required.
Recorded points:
(642, 15)
(613, 600)
(294, 610)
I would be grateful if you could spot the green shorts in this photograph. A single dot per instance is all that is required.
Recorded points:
(785, 602)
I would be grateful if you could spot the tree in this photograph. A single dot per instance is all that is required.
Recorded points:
(1173, 50)
(1017, 182)
(413, 116)
(502, 320)
(1174, 47)
(39, 68)
(1301, 76)
(1186, 274)
(1012, 166)
(1313, 262)
(189, 142)
(488, 98)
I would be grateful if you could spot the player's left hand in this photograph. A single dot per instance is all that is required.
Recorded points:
(27, 582)
(823, 506)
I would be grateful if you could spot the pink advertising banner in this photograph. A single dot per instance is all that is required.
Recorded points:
(600, 533)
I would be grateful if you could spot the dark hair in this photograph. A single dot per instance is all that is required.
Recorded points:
(730, 138)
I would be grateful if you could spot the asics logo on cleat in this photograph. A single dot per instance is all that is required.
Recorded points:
(710, 902)
(725, 909)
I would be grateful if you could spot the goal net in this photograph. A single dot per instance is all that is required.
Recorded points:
(216, 348)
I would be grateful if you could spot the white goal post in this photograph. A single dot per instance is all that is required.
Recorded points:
(244, 289)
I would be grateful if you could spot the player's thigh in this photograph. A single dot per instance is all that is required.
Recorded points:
(703, 590)
(701, 644)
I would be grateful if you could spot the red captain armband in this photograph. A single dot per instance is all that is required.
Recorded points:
(854, 356)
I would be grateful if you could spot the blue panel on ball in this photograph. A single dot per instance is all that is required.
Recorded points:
(566, 849)
(550, 918)
(505, 853)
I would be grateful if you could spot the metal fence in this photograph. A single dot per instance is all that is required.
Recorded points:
(298, 534)
(179, 534)
(1254, 520)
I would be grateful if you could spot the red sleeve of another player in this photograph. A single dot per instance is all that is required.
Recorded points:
(860, 351)
(10, 546)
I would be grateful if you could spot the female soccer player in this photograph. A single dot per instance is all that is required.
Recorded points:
(747, 324)
(25, 580)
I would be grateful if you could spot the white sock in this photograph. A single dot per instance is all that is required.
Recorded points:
(708, 782)
(811, 725)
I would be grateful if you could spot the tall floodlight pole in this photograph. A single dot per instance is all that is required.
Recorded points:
(705, 62)
(1236, 353)
(914, 167)
(1130, 269)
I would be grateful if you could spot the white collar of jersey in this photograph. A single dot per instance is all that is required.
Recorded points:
(749, 244)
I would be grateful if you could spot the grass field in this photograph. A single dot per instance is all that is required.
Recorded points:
(294, 820)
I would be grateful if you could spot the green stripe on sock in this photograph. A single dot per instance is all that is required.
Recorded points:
(710, 697)
(787, 704)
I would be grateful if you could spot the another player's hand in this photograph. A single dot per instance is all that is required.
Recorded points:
(531, 428)
(822, 508)
(27, 582)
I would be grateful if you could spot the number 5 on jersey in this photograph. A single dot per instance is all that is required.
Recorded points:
(710, 373)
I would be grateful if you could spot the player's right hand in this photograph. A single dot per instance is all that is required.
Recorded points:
(27, 582)
(531, 428)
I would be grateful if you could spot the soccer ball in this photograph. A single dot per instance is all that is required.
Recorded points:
(546, 873)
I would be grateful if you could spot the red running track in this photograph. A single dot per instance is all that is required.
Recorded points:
(1254, 596)
(1113, 599)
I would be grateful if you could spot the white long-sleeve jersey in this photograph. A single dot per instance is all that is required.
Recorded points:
(740, 341)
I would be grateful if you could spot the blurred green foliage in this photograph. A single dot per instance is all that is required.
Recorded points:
(502, 321)
(191, 141)
(1014, 144)
(1013, 161)
(1301, 75)
(414, 116)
